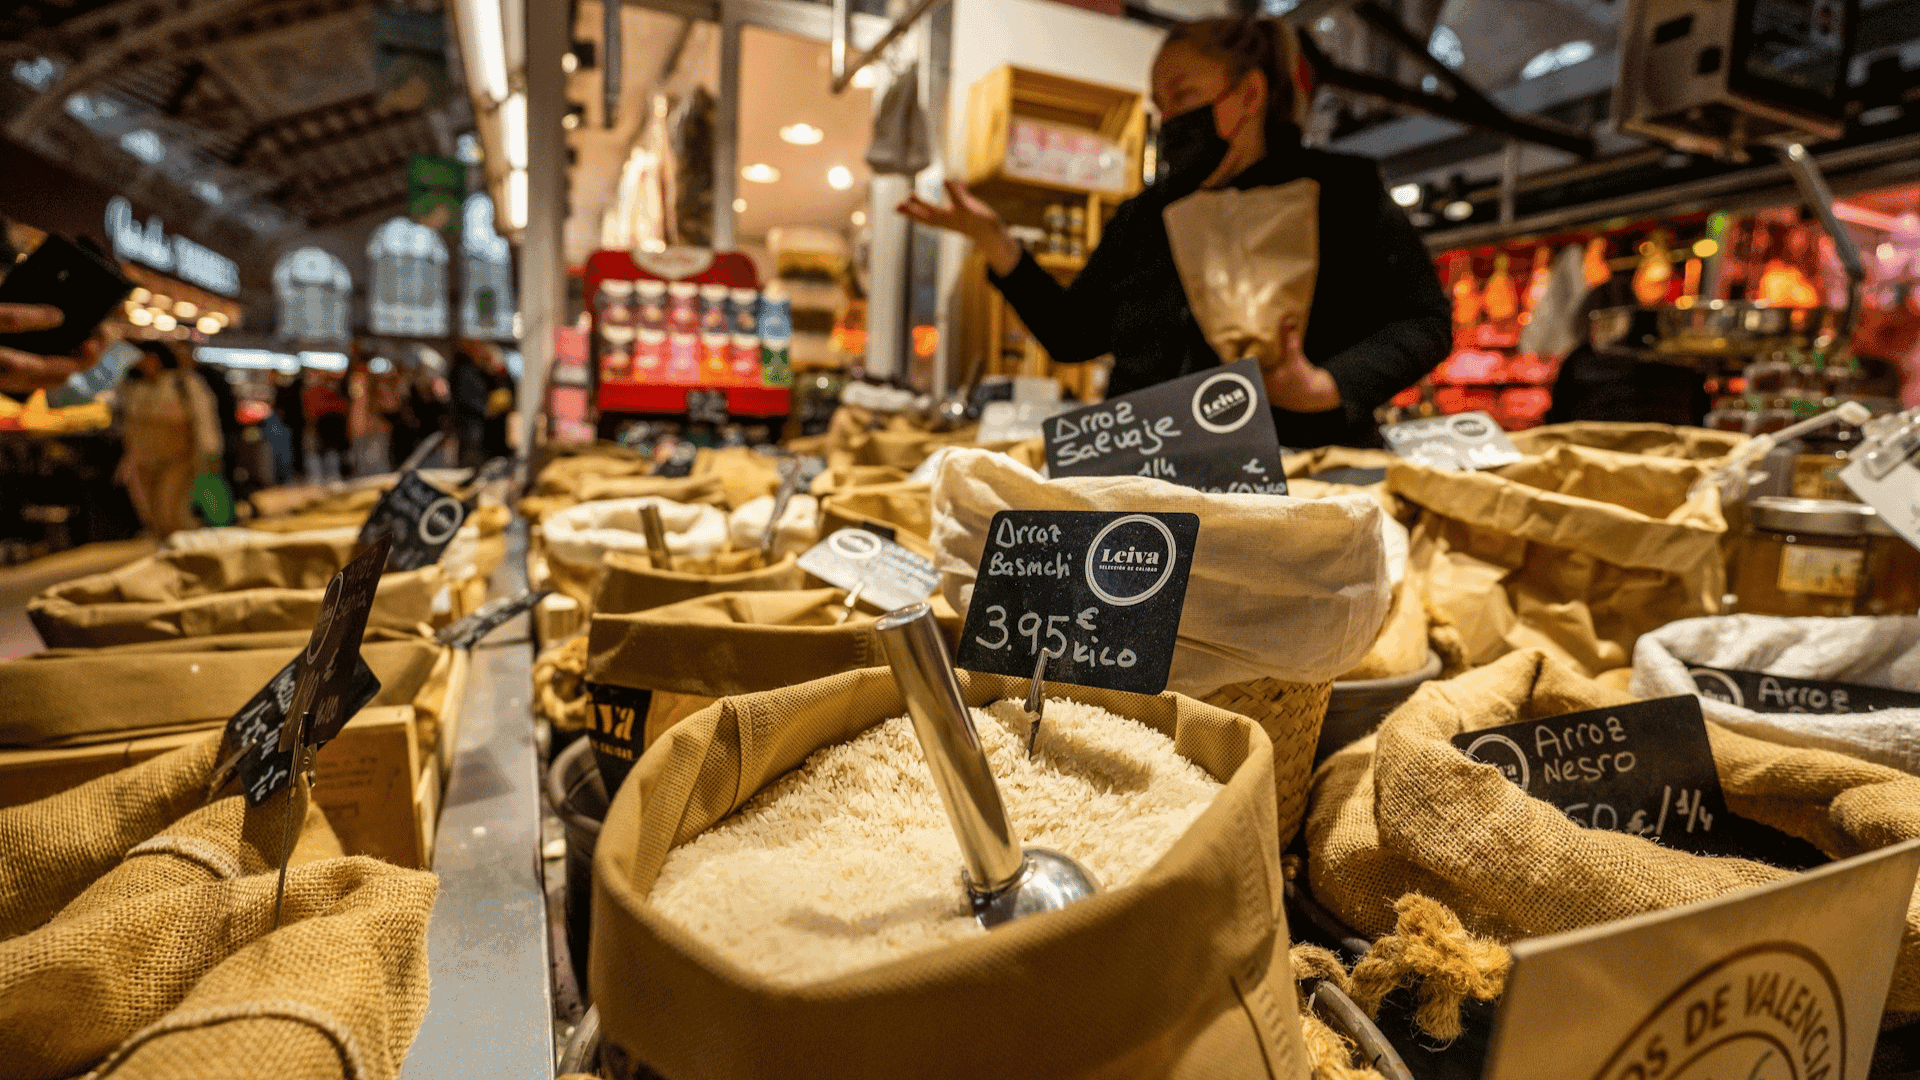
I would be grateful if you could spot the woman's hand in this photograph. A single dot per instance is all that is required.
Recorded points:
(24, 372)
(972, 219)
(1296, 383)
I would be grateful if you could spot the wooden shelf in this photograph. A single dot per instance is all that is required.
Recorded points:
(989, 331)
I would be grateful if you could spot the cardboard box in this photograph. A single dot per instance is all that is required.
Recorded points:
(379, 791)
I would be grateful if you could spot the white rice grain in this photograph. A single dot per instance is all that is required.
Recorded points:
(848, 861)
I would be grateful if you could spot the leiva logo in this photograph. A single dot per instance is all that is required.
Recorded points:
(1224, 403)
(1130, 560)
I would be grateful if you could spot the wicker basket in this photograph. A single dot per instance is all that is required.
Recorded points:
(1291, 714)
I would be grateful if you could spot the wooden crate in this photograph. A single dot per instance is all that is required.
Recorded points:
(379, 791)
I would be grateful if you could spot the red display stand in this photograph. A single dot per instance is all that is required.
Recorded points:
(671, 322)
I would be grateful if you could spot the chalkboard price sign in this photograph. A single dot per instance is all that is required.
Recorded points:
(1645, 768)
(1779, 694)
(421, 520)
(1211, 431)
(254, 732)
(1103, 590)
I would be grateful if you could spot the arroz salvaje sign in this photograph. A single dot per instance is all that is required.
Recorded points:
(1211, 431)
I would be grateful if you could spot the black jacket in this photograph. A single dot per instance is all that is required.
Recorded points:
(1379, 321)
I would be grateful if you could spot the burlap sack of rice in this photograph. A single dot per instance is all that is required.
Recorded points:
(137, 938)
(906, 508)
(564, 465)
(1865, 651)
(77, 697)
(1576, 551)
(1180, 973)
(153, 600)
(629, 582)
(1653, 440)
(1405, 811)
(592, 488)
(1285, 594)
(576, 542)
(724, 644)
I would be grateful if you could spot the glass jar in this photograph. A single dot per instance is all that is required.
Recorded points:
(1820, 557)
(1817, 465)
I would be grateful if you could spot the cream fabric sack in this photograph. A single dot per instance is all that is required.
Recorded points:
(1867, 651)
(1653, 440)
(799, 525)
(1577, 551)
(1281, 588)
(577, 541)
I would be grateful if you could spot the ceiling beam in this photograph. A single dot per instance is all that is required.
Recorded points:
(1488, 117)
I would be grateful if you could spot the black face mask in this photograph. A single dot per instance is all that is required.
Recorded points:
(1190, 145)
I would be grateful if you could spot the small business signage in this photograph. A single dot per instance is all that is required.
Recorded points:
(177, 255)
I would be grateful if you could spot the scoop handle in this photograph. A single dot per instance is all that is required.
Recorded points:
(656, 533)
(989, 847)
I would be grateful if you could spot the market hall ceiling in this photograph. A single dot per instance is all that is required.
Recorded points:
(269, 115)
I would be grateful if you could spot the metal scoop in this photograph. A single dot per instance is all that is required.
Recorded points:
(656, 533)
(1003, 882)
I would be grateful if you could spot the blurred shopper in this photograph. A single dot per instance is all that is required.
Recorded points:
(327, 409)
(172, 434)
(471, 388)
(289, 404)
(494, 439)
(420, 414)
(226, 410)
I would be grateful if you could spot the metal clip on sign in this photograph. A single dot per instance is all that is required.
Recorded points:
(1003, 882)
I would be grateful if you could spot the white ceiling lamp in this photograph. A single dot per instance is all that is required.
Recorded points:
(140, 317)
(1406, 195)
(839, 178)
(739, 206)
(486, 45)
(760, 173)
(164, 323)
(1556, 58)
(802, 134)
(865, 78)
(517, 199)
(513, 130)
(859, 218)
(208, 325)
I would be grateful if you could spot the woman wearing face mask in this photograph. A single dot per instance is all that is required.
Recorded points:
(1230, 91)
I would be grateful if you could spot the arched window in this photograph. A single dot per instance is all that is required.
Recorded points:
(409, 294)
(312, 287)
(486, 292)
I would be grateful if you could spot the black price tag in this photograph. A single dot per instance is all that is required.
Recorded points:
(1210, 431)
(1470, 440)
(468, 632)
(1645, 769)
(1779, 694)
(1104, 589)
(253, 733)
(617, 729)
(323, 684)
(420, 519)
(887, 575)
